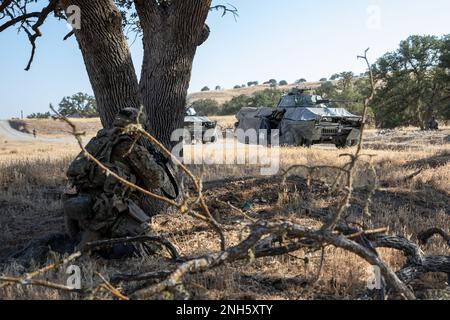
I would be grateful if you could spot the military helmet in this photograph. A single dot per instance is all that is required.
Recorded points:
(129, 116)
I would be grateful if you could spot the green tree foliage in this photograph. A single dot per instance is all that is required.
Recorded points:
(265, 98)
(352, 98)
(445, 65)
(234, 105)
(207, 107)
(413, 82)
(205, 88)
(272, 83)
(283, 83)
(346, 80)
(445, 58)
(335, 76)
(39, 115)
(323, 79)
(79, 104)
(327, 90)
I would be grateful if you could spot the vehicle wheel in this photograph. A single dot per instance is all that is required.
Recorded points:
(287, 140)
(341, 144)
(346, 144)
(212, 139)
(307, 143)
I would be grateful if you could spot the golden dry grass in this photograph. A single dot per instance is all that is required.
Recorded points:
(56, 129)
(53, 128)
(32, 179)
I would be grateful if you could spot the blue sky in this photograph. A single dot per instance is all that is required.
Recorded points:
(281, 39)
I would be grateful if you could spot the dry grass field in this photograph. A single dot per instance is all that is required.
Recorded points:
(413, 194)
(53, 129)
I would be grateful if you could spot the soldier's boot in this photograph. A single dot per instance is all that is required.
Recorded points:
(114, 252)
(76, 209)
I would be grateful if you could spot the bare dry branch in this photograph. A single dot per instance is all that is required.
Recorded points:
(156, 275)
(30, 23)
(28, 277)
(246, 248)
(39, 283)
(4, 5)
(226, 9)
(424, 236)
(18, 19)
(348, 190)
(115, 292)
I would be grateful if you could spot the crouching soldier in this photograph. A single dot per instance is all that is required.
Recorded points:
(98, 206)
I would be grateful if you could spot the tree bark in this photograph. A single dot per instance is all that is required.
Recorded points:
(107, 58)
(171, 34)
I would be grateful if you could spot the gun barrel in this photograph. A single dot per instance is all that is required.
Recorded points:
(337, 101)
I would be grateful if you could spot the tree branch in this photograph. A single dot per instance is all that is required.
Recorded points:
(18, 19)
(424, 236)
(245, 249)
(226, 9)
(4, 4)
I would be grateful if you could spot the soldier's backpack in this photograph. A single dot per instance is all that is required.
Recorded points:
(84, 174)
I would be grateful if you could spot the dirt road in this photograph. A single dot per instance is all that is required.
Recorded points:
(9, 133)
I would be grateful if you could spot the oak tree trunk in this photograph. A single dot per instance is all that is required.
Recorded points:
(171, 35)
(107, 58)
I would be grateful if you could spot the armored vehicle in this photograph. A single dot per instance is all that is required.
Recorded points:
(198, 126)
(303, 119)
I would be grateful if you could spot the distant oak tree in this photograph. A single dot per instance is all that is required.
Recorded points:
(413, 82)
(79, 104)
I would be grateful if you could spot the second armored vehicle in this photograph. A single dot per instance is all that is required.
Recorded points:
(200, 127)
(303, 120)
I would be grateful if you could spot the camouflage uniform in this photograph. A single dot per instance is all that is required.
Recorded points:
(99, 205)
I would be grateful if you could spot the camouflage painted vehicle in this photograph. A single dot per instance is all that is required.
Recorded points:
(303, 120)
(193, 122)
